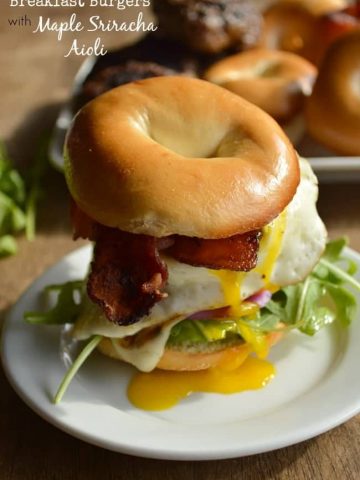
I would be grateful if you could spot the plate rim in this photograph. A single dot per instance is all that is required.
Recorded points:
(55, 419)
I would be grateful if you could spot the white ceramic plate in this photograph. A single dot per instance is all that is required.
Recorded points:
(316, 388)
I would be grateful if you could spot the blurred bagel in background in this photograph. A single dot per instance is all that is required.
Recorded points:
(306, 27)
(276, 81)
(333, 109)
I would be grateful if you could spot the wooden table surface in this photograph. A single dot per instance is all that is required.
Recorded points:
(34, 80)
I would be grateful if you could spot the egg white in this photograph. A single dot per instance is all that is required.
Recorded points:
(191, 289)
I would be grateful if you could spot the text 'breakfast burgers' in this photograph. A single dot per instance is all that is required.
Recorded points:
(199, 209)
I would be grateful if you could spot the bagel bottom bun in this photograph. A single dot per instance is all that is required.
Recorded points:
(191, 358)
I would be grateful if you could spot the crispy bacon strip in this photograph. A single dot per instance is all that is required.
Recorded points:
(234, 253)
(83, 226)
(127, 275)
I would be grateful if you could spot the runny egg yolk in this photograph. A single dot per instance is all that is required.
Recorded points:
(271, 242)
(231, 283)
(162, 389)
(159, 389)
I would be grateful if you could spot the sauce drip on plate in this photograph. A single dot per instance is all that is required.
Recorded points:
(160, 390)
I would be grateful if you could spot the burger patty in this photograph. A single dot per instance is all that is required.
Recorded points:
(210, 26)
(149, 57)
(117, 75)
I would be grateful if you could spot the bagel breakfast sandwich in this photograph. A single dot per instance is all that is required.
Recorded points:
(208, 247)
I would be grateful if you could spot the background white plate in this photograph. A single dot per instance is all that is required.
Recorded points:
(316, 388)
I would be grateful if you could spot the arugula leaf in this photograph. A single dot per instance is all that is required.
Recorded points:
(334, 249)
(12, 218)
(316, 320)
(345, 303)
(18, 200)
(264, 322)
(74, 368)
(12, 196)
(337, 275)
(7, 246)
(321, 299)
(66, 309)
(327, 270)
(11, 183)
(37, 173)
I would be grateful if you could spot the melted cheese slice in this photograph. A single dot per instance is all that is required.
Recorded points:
(147, 356)
(290, 248)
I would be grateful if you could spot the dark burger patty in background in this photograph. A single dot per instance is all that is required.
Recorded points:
(210, 26)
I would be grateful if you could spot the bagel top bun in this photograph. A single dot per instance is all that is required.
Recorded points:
(175, 155)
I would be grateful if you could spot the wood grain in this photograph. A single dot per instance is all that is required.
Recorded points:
(34, 80)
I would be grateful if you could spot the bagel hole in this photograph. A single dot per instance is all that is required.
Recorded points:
(262, 69)
(208, 138)
(270, 69)
(232, 143)
(202, 141)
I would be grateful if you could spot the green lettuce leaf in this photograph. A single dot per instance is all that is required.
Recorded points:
(324, 297)
(35, 190)
(11, 183)
(202, 331)
(7, 246)
(18, 198)
(74, 368)
(12, 197)
(66, 309)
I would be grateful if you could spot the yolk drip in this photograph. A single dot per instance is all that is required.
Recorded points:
(271, 243)
(231, 283)
(159, 390)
